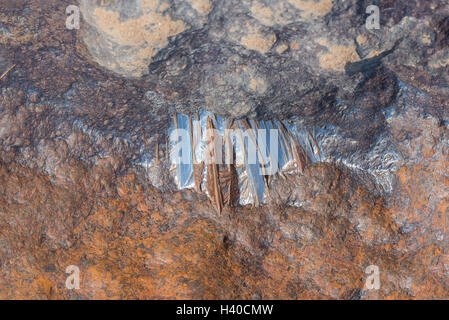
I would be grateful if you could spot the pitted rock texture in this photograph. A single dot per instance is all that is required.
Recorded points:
(268, 58)
(81, 110)
(139, 243)
(125, 35)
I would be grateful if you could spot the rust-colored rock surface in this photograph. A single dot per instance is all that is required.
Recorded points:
(85, 176)
(139, 243)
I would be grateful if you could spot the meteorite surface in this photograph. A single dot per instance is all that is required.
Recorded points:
(92, 101)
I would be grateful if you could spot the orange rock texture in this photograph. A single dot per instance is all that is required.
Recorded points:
(135, 242)
(81, 111)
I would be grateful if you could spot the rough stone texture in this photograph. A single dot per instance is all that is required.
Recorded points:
(274, 58)
(125, 35)
(82, 108)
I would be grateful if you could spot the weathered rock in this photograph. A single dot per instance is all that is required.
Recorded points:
(84, 112)
(125, 35)
(239, 59)
(270, 58)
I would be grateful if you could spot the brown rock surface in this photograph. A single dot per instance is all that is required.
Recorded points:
(82, 110)
(135, 242)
